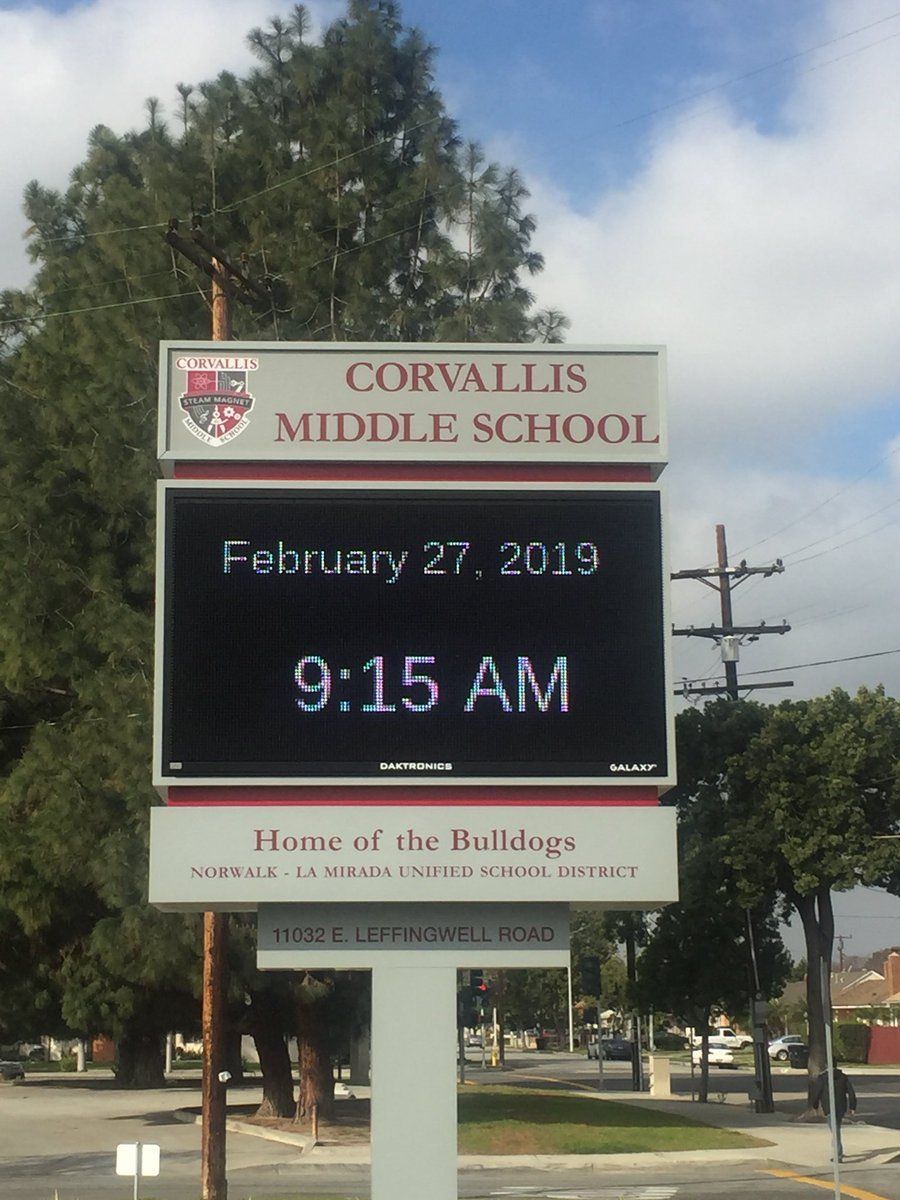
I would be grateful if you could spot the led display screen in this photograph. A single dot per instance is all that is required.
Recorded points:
(410, 634)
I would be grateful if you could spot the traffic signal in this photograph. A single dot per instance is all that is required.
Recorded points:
(589, 969)
(479, 988)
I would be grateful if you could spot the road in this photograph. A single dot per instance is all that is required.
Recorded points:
(59, 1138)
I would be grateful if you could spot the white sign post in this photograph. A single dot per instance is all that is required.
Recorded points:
(414, 952)
(137, 1159)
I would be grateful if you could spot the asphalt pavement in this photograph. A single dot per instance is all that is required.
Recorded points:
(59, 1134)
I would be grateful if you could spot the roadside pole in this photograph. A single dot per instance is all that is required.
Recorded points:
(213, 1176)
(829, 1064)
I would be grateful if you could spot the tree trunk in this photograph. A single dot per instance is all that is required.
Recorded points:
(274, 1061)
(818, 929)
(314, 1060)
(140, 1061)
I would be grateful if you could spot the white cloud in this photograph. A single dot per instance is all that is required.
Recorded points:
(768, 263)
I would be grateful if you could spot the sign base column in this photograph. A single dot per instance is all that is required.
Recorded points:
(414, 1117)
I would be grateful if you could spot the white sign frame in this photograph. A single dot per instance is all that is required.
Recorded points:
(236, 857)
(412, 402)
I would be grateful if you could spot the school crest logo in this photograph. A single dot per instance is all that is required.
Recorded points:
(216, 405)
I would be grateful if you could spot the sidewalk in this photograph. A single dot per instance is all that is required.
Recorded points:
(791, 1143)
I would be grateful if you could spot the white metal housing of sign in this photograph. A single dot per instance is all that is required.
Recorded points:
(343, 402)
(348, 936)
(442, 633)
(237, 857)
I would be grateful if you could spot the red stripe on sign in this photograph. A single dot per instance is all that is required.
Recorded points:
(409, 472)
(400, 797)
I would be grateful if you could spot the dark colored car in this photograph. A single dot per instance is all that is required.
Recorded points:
(618, 1048)
(11, 1070)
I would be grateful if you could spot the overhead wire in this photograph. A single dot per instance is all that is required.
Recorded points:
(646, 115)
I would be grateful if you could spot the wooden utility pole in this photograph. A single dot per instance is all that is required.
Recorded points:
(213, 1177)
(213, 1181)
(728, 635)
(227, 281)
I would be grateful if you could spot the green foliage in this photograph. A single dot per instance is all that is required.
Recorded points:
(850, 1042)
(817, 783)
(701, 957)
(791, 801)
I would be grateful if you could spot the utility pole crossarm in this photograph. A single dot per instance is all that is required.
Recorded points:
(733, 573)
(728, 635)
(720, 631)
(203, 253)
(690, 689)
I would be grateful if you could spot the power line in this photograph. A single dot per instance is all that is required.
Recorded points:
(845, 529)
(74, 312)
(817, 507)
(827, 662)
(646, 115)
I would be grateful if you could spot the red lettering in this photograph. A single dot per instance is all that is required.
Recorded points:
(407, 419)
(574, 375)
(550, 428)
(499, 368)
(442, 423)
(402, 376)
(639, 419)
(473, 377)
(301, 429)
(602, 424)
(529, 379)
(421, 377)
(482, 424)
(501, 422)
(444, 370)
(393, 427)
(567, 428)
(341, 420)
(351, 377)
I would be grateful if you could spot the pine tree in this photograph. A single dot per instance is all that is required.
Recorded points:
(336, 170)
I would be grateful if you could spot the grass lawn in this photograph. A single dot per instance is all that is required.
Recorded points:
(503, 1120)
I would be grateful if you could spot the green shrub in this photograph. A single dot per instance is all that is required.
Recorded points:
(851, 1042)
(68, 1062)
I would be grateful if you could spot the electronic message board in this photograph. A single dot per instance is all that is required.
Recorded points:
(389, 634)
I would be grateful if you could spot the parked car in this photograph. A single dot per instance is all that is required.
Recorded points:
(720, 1054)
(475, 1039)
(617, 1048)
(726, 1034)
(11, 1070)
(779, 1047)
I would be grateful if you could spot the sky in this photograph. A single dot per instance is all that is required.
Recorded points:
(718, 176)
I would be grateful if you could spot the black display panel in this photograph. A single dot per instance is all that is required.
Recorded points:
(412, 634)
